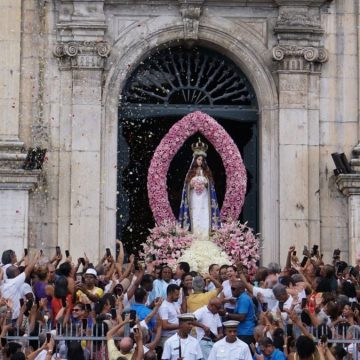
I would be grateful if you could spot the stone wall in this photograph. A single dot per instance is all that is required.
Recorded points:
(67, 62)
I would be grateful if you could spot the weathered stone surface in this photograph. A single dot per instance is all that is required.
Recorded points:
(302, 61)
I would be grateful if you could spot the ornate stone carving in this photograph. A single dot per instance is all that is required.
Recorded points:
(82, 54)
(190, 11)
(287, 19)
(296, 58)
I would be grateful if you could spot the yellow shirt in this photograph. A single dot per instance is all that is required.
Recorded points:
(81, 297)
(196, 301)
(114, 353)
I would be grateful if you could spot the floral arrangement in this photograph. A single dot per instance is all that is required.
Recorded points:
(198, 183)
(169, 146)
(239, 242)
(166, 243)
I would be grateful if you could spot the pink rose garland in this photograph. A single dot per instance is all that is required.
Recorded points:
(170, 145)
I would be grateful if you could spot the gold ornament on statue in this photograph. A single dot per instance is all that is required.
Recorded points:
(199, 148)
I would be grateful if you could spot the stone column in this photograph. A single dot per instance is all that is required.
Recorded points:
(349, 185)
(298, 58)
(10, 41)
(15, 183)
(81, 55)
(14, 206)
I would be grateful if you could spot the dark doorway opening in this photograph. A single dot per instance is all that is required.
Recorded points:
(159, 94)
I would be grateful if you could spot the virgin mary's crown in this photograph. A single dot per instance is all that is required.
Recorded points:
(199, 148)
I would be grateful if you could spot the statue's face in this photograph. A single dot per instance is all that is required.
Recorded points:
(199, 161)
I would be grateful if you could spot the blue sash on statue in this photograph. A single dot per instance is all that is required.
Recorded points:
(184, 214)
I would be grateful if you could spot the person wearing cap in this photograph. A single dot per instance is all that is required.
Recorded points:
(230, 347)
(88, 292)
(181, 345)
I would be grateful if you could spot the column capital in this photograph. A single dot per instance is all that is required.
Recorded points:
(349, 184)
(82, 54)
(292, 58)
(190, 11)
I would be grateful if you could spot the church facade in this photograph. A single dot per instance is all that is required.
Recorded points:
(75, 73)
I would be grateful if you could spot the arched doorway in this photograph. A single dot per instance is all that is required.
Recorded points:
(166, 86)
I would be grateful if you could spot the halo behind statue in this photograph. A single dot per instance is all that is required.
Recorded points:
(170, 145)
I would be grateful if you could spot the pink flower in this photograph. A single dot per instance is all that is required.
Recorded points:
(171, 143)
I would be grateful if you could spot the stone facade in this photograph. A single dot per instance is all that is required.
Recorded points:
(65, 62)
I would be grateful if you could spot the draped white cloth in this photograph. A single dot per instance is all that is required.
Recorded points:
(200, 206)
(202, 252)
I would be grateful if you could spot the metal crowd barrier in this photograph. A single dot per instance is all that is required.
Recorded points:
(94, 339)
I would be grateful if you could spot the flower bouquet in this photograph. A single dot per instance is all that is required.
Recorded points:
(166, 243)
(198, 183)
(239, 242)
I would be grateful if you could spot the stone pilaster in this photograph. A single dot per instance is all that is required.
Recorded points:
(14, 207)
(81, 52)
(349, 185)
(15, 183)
(298, 58)
(10, 40)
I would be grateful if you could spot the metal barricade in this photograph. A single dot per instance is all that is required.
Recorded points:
(92, 338)
(94, 343)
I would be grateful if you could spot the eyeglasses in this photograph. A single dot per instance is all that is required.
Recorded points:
(76, 310)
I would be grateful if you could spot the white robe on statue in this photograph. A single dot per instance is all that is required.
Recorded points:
(200, 207)
(202, 251)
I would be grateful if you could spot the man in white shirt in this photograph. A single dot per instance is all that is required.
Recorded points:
(168, 312)
(208, 326)
(266, 293)
(15, 288)
(181, 345)
(214, 273)
(181, 269)
(284, 301)
(230, 347)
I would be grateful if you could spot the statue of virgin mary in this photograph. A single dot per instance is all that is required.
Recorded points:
(199, 210)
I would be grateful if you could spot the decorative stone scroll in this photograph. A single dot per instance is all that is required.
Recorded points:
(190, 11)
(296, 58)
(82, 54)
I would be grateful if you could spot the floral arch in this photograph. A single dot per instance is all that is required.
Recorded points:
(169, 146)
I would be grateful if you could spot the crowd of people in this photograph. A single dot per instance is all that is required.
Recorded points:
(57, 308)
